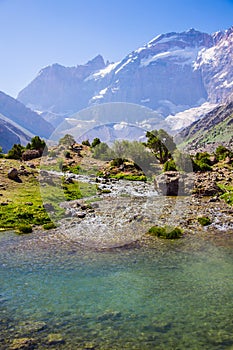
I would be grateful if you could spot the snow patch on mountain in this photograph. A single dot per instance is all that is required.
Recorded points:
(183, 119)
(120, 126)
(176, 54)
(100, 95)
(103, 72)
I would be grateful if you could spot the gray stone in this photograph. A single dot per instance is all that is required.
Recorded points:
(172, 183)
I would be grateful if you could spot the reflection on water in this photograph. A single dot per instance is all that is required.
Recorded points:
(168, 295)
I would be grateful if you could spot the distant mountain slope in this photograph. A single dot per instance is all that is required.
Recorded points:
(62, 89)
(15, 111)
(11, 133)
(99, 115)
(216, 127)
(114, 131)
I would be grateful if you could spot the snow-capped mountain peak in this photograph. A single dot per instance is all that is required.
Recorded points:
(170, 73)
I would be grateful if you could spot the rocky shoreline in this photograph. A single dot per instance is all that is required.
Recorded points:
(123, 211)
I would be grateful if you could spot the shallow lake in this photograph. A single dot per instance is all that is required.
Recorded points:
(165, 295)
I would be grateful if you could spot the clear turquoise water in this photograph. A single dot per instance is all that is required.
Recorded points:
(168, 295)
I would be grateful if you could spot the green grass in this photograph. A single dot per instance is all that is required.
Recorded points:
(24, 207)
(129, 177)
(23, 203)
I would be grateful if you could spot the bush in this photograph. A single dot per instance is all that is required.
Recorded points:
(202, 162)
(86, 143)
(169, 165)
(49, 226)
(222, 153)
(204, 220)
(103, 152)
(117, 162)
(24, 228)
(165, 232)
(52, 153)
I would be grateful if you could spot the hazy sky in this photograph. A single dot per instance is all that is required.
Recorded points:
(37, 33)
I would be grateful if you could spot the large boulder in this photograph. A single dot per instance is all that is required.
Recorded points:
(30, 154)
(13, 174)
(173, 183)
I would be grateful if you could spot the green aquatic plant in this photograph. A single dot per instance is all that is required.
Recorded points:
(165, 232)
(204, 220)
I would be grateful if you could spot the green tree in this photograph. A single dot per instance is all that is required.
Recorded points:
(161, 144)
(95, 142)
(67, 140)
(135, 151)
(103, 151)
(37, 143)
(15, 152)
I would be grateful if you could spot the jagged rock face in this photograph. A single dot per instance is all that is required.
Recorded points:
(24, 117)
(62, 89)
(216, 66)
(160, 74)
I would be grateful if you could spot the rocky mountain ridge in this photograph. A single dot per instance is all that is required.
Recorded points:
(11, 133)
(170, 74)
(16, 112)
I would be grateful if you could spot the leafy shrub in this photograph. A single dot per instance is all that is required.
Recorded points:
(86, 143)
(117, 162)
(52, 154)
(103, 151)
(169, 165)
(49, 226)
(74, 169)
(165, 232)
(202, 162)
(222, 153)
(24, 228)
(204, 220)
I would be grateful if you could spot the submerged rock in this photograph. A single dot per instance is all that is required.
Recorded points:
(22, 343)
(55, 338)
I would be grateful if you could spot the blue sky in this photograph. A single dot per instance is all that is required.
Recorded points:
(37, 33)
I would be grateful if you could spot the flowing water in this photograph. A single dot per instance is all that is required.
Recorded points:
(163, 295)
